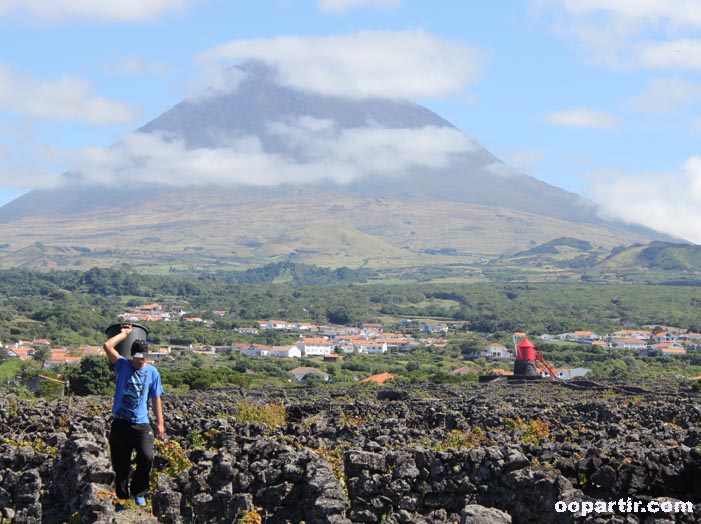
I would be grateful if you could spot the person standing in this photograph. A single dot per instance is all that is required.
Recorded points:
(137, 383)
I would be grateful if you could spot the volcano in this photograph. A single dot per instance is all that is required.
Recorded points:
(259, 171)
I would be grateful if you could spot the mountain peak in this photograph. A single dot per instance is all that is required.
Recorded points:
(215, 171)
(250, 102)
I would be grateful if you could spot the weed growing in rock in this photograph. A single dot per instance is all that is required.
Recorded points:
(38, 445)
(196, 439)
(269, 415)
(531, 432)
(250, 516)
(473, 438)
(12, 406)
(174, 455)
(582, 478)
(316, 421)
(351, 420)
(335, 458)
(213, 437)
(93, 409)
(609, 394)
(210, 439)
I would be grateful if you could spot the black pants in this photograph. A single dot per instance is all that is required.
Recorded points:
(126, 437)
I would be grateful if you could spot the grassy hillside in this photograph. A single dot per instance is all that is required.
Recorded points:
(211, 230)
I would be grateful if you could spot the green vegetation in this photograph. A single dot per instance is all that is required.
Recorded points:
(532, 432)
(269, 415)
(72, 307)
(175, 458)
(38, 445)
(471, 438)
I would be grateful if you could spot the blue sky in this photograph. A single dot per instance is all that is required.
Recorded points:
(599, 97)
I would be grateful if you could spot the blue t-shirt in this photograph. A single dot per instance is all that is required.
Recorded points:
(134, 389)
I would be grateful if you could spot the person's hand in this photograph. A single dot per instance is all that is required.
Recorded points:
(160, 430)
(126, 329)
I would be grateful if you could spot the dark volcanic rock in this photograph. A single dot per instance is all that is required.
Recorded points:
(496, 453)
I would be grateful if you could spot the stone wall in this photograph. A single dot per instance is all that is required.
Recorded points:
(492, 453)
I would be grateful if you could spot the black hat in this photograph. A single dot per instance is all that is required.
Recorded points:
(139, 349)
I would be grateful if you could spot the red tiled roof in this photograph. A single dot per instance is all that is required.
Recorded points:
(380, 378)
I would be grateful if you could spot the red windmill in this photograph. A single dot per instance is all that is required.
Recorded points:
(529, 361)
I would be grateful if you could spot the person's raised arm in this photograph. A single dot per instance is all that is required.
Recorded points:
(110, 344)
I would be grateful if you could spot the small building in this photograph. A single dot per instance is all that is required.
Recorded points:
(567, 374)
(302, 374)
(247, 330)
(430, 327)
(285, 352)
(664, 349)
(252, 350)
(664, 336)
(315, 346)
(496, 351)
(370, 346)
(628, 343)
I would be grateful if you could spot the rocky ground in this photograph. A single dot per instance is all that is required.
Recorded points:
(478, 453)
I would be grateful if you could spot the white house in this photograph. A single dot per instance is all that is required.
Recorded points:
(346, 346)
(434, 328)
(285, 352)
(664, 348)
(302, 373)
(586, 337)
(247, 330)
(370, 346)
(495, 351)
(274, 324)
(252, 350)
(315, 346)
(631, 333)
(664, 336)
(567, 374)
(629, 343)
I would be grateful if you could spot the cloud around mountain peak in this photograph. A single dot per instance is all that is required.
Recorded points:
(386, 64)
(325, 153)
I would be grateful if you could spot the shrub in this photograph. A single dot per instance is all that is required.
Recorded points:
(267, 414)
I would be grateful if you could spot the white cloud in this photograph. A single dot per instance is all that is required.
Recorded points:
(649, 34)
(326, 153)
(674, 13)
(696, 126)
(31, 165)
(666, 95)
(525, 161)
(24, 178)
(67, 98)
(109, 10)
(581, 117)
(667, 202)
(341, 6)
(135, 66)
(674, 55)
(501, 169)
(405, 64)
(214, 82)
